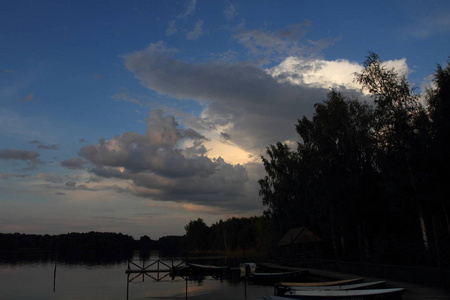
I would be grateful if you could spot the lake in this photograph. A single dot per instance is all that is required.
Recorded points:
(34, 278)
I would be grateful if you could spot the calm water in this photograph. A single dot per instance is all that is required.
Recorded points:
(34, 279)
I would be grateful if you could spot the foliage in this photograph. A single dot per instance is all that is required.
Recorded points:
(234, 234)
(365, 177)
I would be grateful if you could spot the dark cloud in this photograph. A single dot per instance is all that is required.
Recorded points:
(51, 178)
(225, 136)
(10, 175)
(70, 184)
(50, 147)
(261, 109)
(74, 163)
(32, 157)
(156, 150)
(225, 187)
(43, 146)
(167, 163)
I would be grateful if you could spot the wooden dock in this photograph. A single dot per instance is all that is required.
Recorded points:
(153, 266)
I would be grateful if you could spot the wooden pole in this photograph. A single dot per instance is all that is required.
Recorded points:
(54, 277)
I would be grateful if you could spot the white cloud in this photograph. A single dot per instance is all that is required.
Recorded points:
(196, 32)
(320, 73)
(172, 28)
(190, 9)
(230, 11)
(337, 74)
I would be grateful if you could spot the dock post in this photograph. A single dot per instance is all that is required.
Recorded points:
(128, 284)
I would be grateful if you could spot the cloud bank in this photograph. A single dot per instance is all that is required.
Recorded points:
(167, 163)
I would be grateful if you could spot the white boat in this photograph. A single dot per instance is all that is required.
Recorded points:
(394, 293)
(277, 276)
(208, 268)
(325, 283)
(356, 286)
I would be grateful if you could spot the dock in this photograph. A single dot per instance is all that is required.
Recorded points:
(153, 266)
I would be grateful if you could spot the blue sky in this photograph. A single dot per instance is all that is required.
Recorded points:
(139, 116)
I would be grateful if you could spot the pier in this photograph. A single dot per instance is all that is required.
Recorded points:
(154, 269)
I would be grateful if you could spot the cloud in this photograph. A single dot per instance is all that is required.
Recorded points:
(230, 11)
(45, 147)
(225, 136)
(157, 150)
(74, 163)
(190, 9)
(70, 184)
(168, 163)
(11, 175)
(171, 30)
(123, 95)
(319, 73)
(32, 157)
(50, 177)
(337, 74)
(197, 32)
(277, 45)
(256, 108)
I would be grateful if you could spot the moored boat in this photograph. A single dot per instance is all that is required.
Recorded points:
(277, 276)
(208, 268)
(372, 294)
(355, 286)
(324, 283)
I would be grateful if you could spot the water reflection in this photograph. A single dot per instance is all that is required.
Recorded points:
(32, 276)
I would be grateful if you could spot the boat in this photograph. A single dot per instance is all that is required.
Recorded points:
(208, 268)
(325, 283)
(276, 276)
(356, 286)
(372, 294)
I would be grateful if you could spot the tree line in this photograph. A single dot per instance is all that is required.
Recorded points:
(235, 234)
(253, 234)
(95, 245)
(369, 177)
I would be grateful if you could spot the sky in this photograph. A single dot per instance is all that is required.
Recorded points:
(140, 116)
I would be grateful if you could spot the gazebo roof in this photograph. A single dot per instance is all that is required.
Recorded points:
(298, 236)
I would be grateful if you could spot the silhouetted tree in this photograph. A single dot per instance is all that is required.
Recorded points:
(400, 132)
(197, 235)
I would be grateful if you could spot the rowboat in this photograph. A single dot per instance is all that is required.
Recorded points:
(356, 286)
(208, 268)
(393, 293)
(325, 283)
(276, 276)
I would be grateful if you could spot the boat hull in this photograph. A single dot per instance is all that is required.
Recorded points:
(373, 294)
